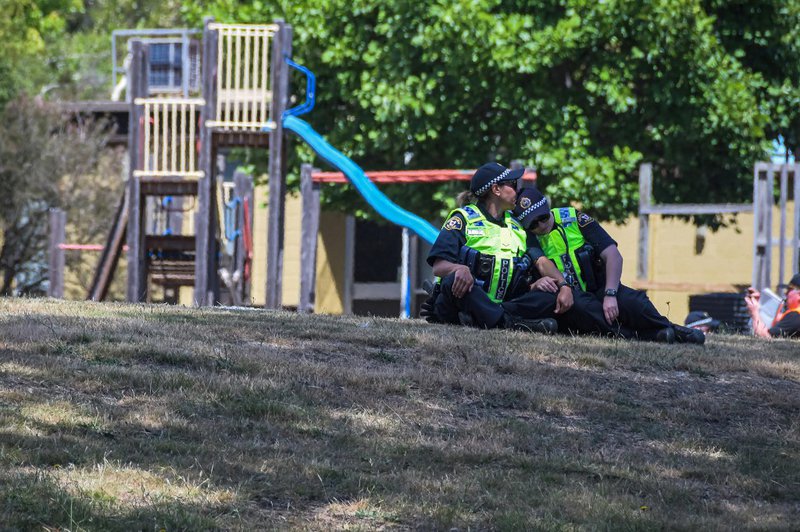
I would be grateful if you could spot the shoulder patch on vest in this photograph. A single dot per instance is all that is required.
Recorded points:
(564, 214)
(454, 224)
(584, 219)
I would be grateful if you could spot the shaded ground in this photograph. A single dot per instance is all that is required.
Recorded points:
(120, 417)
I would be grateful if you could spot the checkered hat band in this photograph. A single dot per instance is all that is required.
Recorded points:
(532, 208)
(496, 180)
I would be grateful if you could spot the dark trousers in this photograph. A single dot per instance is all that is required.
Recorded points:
(485, 312)
(584, 317)
(636, 312)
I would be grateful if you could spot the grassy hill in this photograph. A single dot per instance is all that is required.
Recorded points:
(122, 417)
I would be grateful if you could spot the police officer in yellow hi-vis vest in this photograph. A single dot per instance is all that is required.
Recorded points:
(480, 257)
(589, 259)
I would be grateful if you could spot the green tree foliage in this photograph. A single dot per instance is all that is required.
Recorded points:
(582, 90)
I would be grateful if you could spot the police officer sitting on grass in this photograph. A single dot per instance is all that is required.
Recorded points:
(479, 256)
(590, 261)
(787, 320)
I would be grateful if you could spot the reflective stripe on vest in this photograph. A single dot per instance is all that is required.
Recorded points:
(560, 244)
(503, 243)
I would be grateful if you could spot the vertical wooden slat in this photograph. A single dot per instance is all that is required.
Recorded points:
(264, 118)
(183, 139)
(137, 84)
(174, 145)
(796, 219)
(769, 202)
(308, 239)
(219, 71)
(349, 263)
(784, 187)
(205, 286)
(165, 133)
(226, 34)
(282, 46)
(237, 75)
(156, 133)
(413, 273)
(192, 136)
(57, 262)
(757, 213)
(246, 65)
(645, 193)
(256, 81)
(146, 147)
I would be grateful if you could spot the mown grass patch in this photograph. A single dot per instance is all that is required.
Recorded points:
(121, 417)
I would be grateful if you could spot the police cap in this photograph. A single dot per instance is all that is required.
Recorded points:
(491, 174)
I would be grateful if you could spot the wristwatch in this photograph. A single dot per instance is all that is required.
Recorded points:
(611, 292)
(562, 284)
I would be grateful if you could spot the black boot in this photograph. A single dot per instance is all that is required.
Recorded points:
(687, 335)
(666, 335)
(544, 325)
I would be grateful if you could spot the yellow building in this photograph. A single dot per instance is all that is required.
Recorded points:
(682, 260)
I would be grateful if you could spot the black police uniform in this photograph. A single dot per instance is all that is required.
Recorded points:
(522, 304)
(636, 311)
(787, 327)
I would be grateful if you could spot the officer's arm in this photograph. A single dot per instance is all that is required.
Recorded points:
(443, 268)
(547, 268)
(564, 299)
(613, 261)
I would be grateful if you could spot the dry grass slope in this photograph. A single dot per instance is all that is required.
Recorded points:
(121, 417)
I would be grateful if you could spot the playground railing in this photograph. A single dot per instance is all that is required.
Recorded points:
(170, 133)
(243, 76)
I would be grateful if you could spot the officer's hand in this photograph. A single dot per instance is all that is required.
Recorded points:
(564, 300)
(753, 294)
(545, 284)
(427, 312)
(610, 309)
(463, 281)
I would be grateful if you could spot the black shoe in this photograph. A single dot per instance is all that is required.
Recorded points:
(465, 319)
(687, 335)
(544, 325)
(666, 336)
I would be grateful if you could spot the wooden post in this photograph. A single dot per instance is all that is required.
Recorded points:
(243, 189)
(308, 239)
(205, 219)
(279, 81)
(137, 261)
(645, 193)
(349, 262)
(784, 187)
(796, 218)
(58, 235)
(763, 184)
(413, 273)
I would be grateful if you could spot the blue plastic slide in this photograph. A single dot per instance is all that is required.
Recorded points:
(377, 199)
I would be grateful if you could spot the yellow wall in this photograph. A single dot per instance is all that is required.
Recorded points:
(724, 263)
(330, 255)
(330, 264)
(726, 259)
